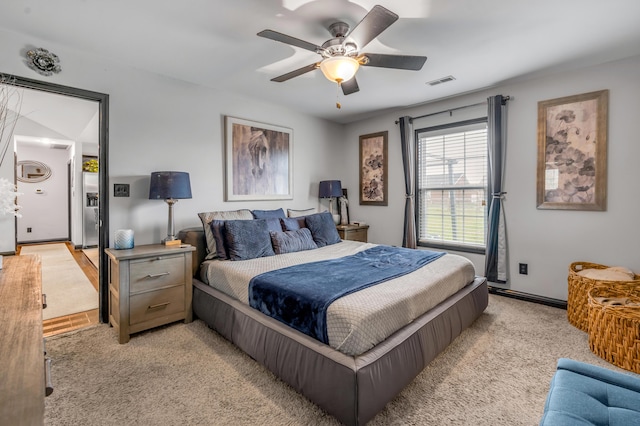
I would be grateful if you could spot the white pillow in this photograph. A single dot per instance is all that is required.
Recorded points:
(299, 213)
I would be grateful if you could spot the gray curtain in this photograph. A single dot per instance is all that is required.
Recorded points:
(408, 162)
(496, 261)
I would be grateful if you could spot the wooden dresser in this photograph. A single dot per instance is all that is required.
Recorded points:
(22, 372)
(353, 232)
(149, 285)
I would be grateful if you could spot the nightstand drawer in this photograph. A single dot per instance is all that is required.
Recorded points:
(353, 232)
(358, 235)
(156, 272)
(156, 304)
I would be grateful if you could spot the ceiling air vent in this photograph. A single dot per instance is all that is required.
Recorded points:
(59, 146)
(441, 80)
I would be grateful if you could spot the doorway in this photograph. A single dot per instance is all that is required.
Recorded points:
(103, 175)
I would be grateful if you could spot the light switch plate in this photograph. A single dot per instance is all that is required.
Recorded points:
(120, 189)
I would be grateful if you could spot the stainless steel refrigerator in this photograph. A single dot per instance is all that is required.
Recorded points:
(90, 214)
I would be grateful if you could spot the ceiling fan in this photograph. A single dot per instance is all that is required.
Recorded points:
(341, 55)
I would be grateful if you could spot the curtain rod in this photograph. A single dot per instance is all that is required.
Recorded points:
(450, 110)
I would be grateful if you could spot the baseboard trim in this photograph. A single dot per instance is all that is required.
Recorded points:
(527, 297)
(55, 240)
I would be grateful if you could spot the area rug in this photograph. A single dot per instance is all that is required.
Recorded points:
(92, 255)
(497, 372)
(67, 287)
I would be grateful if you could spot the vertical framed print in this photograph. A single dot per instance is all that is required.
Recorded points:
(373, 169)
(572, 152)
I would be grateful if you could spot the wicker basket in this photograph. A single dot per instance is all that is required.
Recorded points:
(579, 286)
(614, 329)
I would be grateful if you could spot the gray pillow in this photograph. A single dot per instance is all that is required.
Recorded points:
(247, 239)
(292, 241)
(323, 229)
(217, 229)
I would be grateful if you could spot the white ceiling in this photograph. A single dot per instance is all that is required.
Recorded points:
(213, 43)
(72, 118)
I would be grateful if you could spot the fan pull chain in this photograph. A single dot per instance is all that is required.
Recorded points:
(338, 96)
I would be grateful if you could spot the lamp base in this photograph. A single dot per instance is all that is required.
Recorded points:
(172, 242)
(336, 219)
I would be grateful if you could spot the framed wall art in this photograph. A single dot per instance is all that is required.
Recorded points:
(572, 152)
(373, 169)
(258, 161)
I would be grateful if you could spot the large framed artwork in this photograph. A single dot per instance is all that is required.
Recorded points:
(373, 169)
(258, 161)
(572, 152)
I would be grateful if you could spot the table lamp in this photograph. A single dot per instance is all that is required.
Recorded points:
(170, 187)
(331, 189)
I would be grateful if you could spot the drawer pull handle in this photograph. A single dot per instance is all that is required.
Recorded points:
(157, 275)
(48, 386)
(159, 305)
(44, 301)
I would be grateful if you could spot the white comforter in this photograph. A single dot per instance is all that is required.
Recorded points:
(359, 321)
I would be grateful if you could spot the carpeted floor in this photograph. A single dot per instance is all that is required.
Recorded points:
(67, 287)
(496, 373)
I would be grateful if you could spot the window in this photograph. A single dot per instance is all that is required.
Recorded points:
(452, 185)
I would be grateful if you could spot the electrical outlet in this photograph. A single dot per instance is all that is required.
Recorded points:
(28, 230)
(523, 268)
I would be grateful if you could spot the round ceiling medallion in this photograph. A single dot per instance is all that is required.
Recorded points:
(43, 62)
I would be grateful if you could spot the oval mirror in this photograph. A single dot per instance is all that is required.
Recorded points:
(32, 171)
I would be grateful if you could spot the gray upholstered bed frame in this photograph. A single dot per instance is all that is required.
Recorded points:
(353, 389)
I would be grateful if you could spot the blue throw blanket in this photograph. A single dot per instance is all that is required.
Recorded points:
(300, 295)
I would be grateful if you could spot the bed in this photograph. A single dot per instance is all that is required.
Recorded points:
(355, 374)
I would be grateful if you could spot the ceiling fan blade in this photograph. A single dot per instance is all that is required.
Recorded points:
(403, 62)
(350, 86)
(283, 38)
(299, 71)
(375, 22)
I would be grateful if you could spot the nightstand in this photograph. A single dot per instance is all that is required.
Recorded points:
(353, 232)
(149, 285)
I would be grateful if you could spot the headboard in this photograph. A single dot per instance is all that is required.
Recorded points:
(195, 237)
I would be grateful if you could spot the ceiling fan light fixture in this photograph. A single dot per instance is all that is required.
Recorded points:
(339, 68)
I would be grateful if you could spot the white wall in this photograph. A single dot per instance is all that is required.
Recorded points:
(7, 221)
(548, 240)
(45, 206)
(158, 123)
(24, 126)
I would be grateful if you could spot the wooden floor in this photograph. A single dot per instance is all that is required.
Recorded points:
(72, 322)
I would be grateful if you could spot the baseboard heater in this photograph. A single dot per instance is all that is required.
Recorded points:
(556, 303)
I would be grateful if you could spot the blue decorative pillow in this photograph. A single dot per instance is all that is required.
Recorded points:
(265, 214)
(292, 241)
(273, 224)
(247, 239)
(217, 229)
(207, 217)
(293, 223)
(323, 229)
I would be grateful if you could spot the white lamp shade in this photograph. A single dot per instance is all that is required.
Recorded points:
(339, 68)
